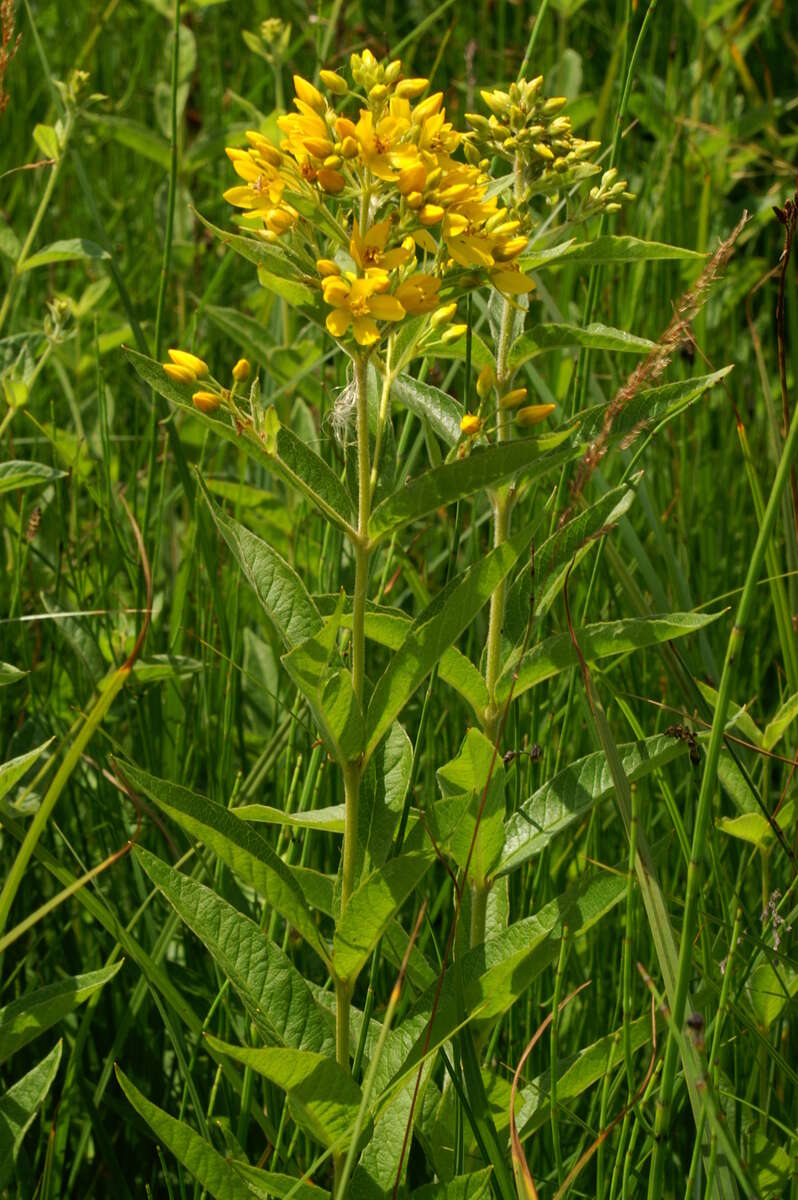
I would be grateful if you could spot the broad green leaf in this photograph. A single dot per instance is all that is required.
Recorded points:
(597, 641)
(242, 848)
(259, 253)
(371, 906)
(281, 593)
(16, 474)
(382, 792)
(10, 674)
(34, 1013)
(218, 1176)
(66, 251)
(273, 991)
(594, 337)
(573, 792)
(453, 819)
(770, 989)
(529, 458)
(323, 1097)
(566, 546)
(649, 407)
(19, 1105)
(15, 768)
(778, 726)
(607, 249)
(430, 404)
(271, 1184)
(329, 819)
(290, 458)
(770, 1165)
(462, 1187)
(328, 690)
(753, 827)
(441, 622)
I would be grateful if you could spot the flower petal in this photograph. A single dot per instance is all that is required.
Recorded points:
(366, 331)
(386, 308)
(338, 321)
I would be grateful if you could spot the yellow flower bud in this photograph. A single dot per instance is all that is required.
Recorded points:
(345, 128)
(430, 214)
(334, 83)
(378, 93)
(513, 399)
(179, 374)
(486, 380)
(428, 107)
(307, 92)
(453, 333)
(533, 414)
(206, 402)
(542, 151)
(326, 266)
(412, 179)
(470, 424)
(442, 316)
(415, 199)
(264, 148)
(332, 181)
(197, 366)
(409, 89)
(318, 147)
(241, 370)
(350, 147)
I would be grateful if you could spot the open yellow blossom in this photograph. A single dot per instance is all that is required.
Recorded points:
(359, 303)
(380, 144)
(263, 188)
(369, 251)
(511, 281)
(418, 293)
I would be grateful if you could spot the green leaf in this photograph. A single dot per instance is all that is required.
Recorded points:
(281, 593)
(462, 1187)
(430, 404)
(17, 474)
(329, 819)
(608, 249)
(272, 990)
(244, 851)
(34, 1013)
(462, 782)
(597, 641)
(769, 991)
(649, 407)
(323, 1097)
(481, 356)
(382, 792)
(594, 337)
(270, 1184)
(328, 690)
(137, 137)
(297, 294)
(753, 827)
(10, 674)
(573, 792)
(486, 466)
(370, 908)
(441, 622)
(770, 1165)
(778, 726)
(15, 768)
(215, 1174)
(165, 666)
(46, 139)
(259, 253)
(19, 1105)
(66, 251)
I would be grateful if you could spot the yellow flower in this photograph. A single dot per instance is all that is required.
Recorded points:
(511, 281)
(470, 424)
(198, 367)
(418, 293)
(486, 380)
(307, 92)
(263, 187)
(360, 303)
(380, 143)
(369, 252)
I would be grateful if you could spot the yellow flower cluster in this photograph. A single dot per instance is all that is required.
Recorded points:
(409, 214)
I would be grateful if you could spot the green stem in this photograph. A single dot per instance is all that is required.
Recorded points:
(706, 794)
(37, 220)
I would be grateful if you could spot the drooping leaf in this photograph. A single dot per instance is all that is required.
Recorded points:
(594, 337)
(281, 593)
(451, 611)
(323, 1097)
(34, 1013)
(431, 404)
(66, 251)
(242, 848)
(529, 458)
(573, 792)
(598, 641)
(371, 906)
(273, 991)
(17, 474)
(19, 1105)
(219, 1177)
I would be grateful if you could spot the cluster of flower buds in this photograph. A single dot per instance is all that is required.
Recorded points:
(189, 369)
(607, 195)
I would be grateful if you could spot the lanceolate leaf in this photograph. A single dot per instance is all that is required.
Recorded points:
(273, 991)
(282, 594)
(324, 1098)
(255, 251)
(15, 768)
(598, 641)
(214, 1173)
(608, 249)
(16, 474)
(433, 631)
(19, 1105)
(649, 407)
(24, 1019)
(529, 458)
(66, 251)
(242, 848)
(371, 907)
(594, 337)
(573, 792)
(271, 1184)
(462, 1187)
(431, 404)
